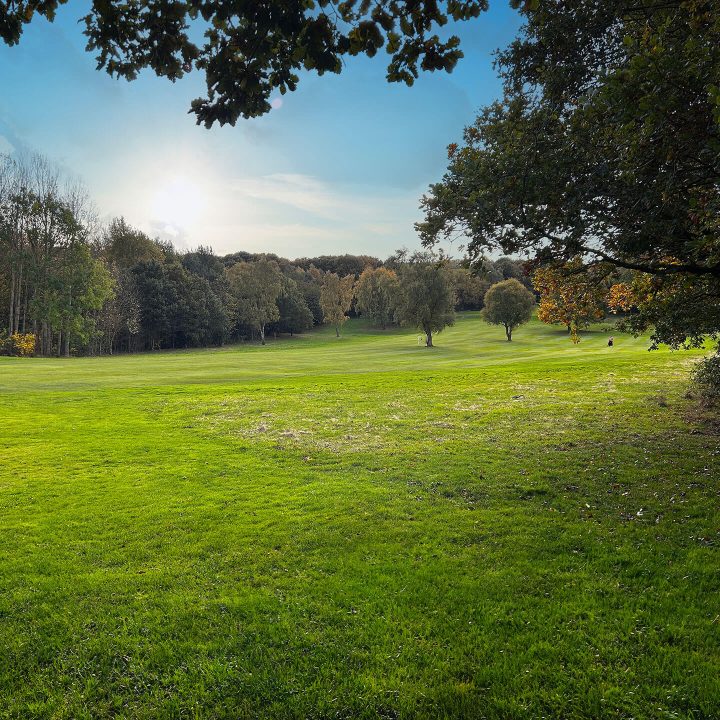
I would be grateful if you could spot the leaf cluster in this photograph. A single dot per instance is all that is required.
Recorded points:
(251, 49)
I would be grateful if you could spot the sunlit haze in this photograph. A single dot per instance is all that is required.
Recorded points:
(179, 204)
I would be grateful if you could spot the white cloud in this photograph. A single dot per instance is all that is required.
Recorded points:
(301, 192)
(297, 215)
(290, 214)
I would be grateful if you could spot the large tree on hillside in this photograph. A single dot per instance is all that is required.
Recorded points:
(255, 288)
(426, 298)
(336, 295)
(606, 147)
(508, 303)
(250, 50)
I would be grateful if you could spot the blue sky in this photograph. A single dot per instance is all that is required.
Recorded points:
(338, 167)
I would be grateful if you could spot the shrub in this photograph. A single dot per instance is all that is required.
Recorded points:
(18, 344)
(706, 377)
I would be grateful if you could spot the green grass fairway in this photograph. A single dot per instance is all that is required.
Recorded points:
(361, 528)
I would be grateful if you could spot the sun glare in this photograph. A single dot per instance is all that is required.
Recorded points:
(178, 203)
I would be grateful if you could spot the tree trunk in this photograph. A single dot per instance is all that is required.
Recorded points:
(11, 310)
(18, 297)
(43, 338)
(25, 306)
(337, 331)
(428, 339)
(66, 334)
(508, 333)
(262, 334)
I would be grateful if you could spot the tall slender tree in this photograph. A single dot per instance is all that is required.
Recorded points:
(336, 295)
(255, 288)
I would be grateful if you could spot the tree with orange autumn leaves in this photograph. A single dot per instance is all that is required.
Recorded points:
(570, 297)
(680, 309)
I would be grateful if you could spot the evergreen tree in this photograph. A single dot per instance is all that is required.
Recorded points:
(295, 316)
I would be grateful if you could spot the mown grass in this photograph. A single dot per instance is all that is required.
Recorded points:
(360, 527)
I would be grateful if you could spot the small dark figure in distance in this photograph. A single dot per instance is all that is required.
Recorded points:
(611, 341)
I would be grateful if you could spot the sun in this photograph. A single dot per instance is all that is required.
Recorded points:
(178, 203)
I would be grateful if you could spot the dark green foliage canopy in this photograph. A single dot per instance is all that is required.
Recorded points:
(469, 289)
(123, 245)
(606, 146)
(204, 263)
(295, 316)
(252, 48)
(339, 264)
(178, 308)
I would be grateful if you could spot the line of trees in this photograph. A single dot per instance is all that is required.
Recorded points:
(72, 286)
(51, 281)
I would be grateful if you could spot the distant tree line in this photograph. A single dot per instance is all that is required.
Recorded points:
(71, 286)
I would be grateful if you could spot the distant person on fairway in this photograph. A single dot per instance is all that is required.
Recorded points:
(611, 341)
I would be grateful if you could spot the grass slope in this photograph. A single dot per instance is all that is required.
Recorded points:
(360, 527)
